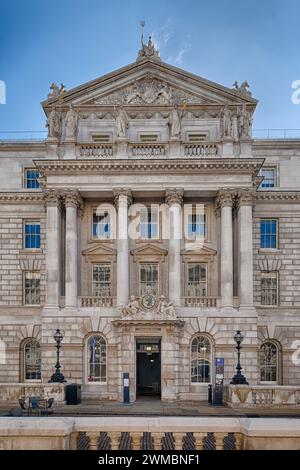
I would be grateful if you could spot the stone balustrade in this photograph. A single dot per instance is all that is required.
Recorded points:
(200, 302)
(159, 433)
(200, 149)
(96, 301)
(255, 396)
(147, 150)
(12, 392)
(96, 150)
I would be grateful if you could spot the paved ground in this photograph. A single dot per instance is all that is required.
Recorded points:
(154, 407)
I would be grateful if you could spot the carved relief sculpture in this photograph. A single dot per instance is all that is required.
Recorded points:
(132, 308)
(174, 123)
(71, 122)
(54, 124)
(165, 308)
(226, 122)
(244, 122)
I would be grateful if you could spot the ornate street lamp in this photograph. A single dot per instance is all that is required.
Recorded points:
(57, 376)
(238, 378)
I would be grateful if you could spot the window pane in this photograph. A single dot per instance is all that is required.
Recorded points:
(32, 235)
(149, 280)
(201, 358)
(149, 222)
(101, 224)
(196, 224)
(269, 288)
(96, 359)
(31, 181)
(268, 233)
(268, 359)
(196, 280)
(31, 288)
(269, 175)
(101, 280)
(32, 360)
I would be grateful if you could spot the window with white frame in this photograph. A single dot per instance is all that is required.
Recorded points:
(101, 280)
(268, 233)
(96, 359)
(269, 288)
(101, 224)
(268, 362)
(32, 360)
(201, 359)
(149, 279)
(196, 222)
(196, 282)
(270, 177)
(32, 287)
(31, 178)
(32, 234)
(149, 222)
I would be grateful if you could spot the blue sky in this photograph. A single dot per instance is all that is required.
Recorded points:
(74, 41)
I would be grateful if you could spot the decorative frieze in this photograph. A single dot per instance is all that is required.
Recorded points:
(19, 198)
(287, 196)
(174, 196)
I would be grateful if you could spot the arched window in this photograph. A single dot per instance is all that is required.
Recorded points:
(32, 360)
(268, 362)
(96, 359)
(201, 359)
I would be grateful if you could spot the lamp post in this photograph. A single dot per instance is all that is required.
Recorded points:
(57, 376)
(238, 378)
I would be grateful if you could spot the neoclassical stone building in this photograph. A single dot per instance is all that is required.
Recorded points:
(148, 227)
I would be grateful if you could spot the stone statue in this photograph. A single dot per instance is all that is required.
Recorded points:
(132, 308)
(243, 88)
(164, 308)
(174, 124)
(133, 94)
(148, 50)
(55, 90)
(71, 123)
(244, 122)
(164, 94)
(121, 123)
(54, 124)
(226, 122)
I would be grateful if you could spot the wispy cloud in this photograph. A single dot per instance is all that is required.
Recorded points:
(177, 58)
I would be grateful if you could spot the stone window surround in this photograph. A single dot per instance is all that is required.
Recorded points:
(110, 275)
(22, 375)
(24, 177)
(271, 166)
(270, 250)
(101, 259)
(86, 359)
(198, 258)
(267, 306)
(279, 362)
(23, 276)
(35, 221)
(141, 258)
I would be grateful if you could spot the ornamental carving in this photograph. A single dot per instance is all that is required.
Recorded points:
(144, 308)
(53, 197)
(73, 198)
(244, 88)
(245, 197)
(225, 198)
(117, 192)
(149, 91)
(174, 196)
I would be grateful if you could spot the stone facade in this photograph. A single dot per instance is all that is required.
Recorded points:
(149, 134)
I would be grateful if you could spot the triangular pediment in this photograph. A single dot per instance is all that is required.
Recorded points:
(199, 249)
(99, 248)
(149, 249)
(149, 83)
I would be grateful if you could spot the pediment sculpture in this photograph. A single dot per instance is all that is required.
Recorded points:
(56, 91)
(147, 307)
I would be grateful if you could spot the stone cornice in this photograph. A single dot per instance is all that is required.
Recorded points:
(284, 196)
(22, 197)
(174, 196)
(220, 165)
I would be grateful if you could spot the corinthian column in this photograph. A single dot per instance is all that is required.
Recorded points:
(122, 201)
(72, 202)
(53, 202)
(174, 198)
(225, 203)
(245, 202)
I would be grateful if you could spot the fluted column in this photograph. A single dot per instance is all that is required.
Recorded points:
(72, 202)
(245, 202)
(122, 200)
(174, 198)
(53, 202)
(225, 203)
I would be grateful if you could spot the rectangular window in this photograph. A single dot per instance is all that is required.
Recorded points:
(101, 138)
(101, 224)
(31, 179)
(270, 179)
(196, 280)
(101, 280)
(269, 288)
(268, 233)
(149, 225)
(32, 287)
(197, 137)
(32, 235)
(196, 224)
(149, 279)
(148, 138)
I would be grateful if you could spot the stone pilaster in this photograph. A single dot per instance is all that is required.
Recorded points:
(73, 201)
(122, 199)
(224, 203)
(174, 199)
(53, 200)
(244, 208)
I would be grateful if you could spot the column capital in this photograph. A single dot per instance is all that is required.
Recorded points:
(174, 196)
(245, 197)
(53, 197)
(225, 198)
(117, 192)
(73, 198)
